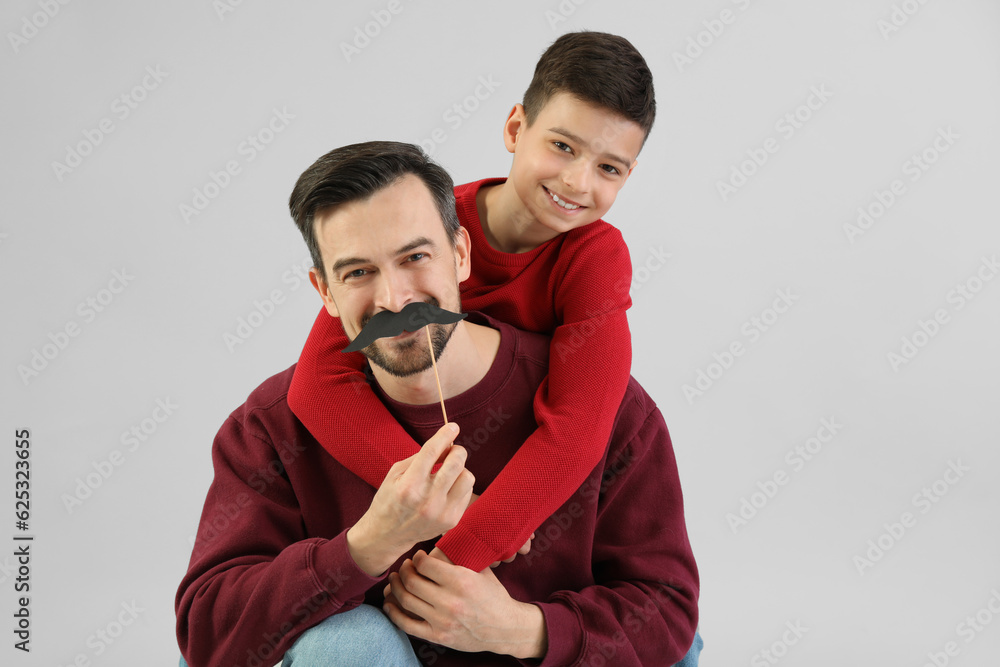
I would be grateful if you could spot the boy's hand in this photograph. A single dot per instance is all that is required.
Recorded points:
(413, 504)
(523, 551)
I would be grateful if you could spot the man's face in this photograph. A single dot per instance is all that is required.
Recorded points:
(571, 162)
(383, 253)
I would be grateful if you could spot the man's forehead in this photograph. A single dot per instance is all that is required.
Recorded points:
(386, 221)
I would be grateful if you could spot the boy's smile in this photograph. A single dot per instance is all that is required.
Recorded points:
(568, 167)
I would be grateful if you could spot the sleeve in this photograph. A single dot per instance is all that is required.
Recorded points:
(330, 396)
(575, 406)
(643, 606)
(255, 583)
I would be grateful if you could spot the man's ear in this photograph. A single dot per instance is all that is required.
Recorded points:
(516, 123)
(318, 281)
(463, 258)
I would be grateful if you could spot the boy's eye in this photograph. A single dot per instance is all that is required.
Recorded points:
(561, 146)
(610, 170)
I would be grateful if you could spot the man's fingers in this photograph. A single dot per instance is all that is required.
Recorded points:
(405, 621)
(451, 470)
(437, 571)
(461, 489)
(423, 461)
(390, 598)
(411, 589)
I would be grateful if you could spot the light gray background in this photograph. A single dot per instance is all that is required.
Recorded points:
(162, 337)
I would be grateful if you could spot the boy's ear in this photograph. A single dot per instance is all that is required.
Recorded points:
(516, 123)
(319, 282)
(635, 163)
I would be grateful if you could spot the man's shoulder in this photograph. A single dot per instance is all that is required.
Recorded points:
(269, 398)
(636, 413)
(528, 346)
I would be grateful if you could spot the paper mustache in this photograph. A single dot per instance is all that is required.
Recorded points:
(413, 316)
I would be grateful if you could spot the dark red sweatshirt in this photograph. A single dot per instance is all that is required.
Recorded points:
(611, 569)
(575, 288)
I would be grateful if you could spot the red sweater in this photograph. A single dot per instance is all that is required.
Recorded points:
(574, 287)
(611, 570)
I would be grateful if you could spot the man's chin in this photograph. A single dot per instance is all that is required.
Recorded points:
(394, 363)
(408, 357)
(399, 370)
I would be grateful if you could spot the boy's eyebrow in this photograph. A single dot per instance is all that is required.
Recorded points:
(569, 135)
(412, 245)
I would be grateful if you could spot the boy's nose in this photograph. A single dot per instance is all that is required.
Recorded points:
(576, 176)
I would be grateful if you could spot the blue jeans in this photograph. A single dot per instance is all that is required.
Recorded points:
(361, 637)
(365, 636)
(691, 659)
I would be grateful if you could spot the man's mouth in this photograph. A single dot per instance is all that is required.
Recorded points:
(568, 205)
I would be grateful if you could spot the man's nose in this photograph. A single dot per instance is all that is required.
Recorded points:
(393, 291)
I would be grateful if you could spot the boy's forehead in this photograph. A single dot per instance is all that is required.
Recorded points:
(603, 130)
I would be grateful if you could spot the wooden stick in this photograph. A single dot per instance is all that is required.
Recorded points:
(430, 345)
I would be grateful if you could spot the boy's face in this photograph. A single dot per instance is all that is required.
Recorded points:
(571, 162)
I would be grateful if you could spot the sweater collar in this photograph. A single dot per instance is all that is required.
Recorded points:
(472, 399)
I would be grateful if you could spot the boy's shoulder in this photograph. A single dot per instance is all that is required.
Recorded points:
(466, 191)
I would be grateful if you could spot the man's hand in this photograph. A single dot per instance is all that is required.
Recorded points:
(468, 611)
(413, 504)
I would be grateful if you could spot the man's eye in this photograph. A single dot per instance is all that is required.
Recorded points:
(357, 273)
(416, 257)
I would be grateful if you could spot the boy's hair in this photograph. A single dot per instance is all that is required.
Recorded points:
(355, 173)
(596, 67)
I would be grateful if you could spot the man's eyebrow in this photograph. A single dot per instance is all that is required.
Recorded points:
(569, 135)
(418, 242)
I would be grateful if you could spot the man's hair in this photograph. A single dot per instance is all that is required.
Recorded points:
(596, 67)
(355, 173)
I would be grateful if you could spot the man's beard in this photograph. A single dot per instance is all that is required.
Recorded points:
(412, 356)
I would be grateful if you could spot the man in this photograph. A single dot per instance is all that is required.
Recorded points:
(293, 550)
